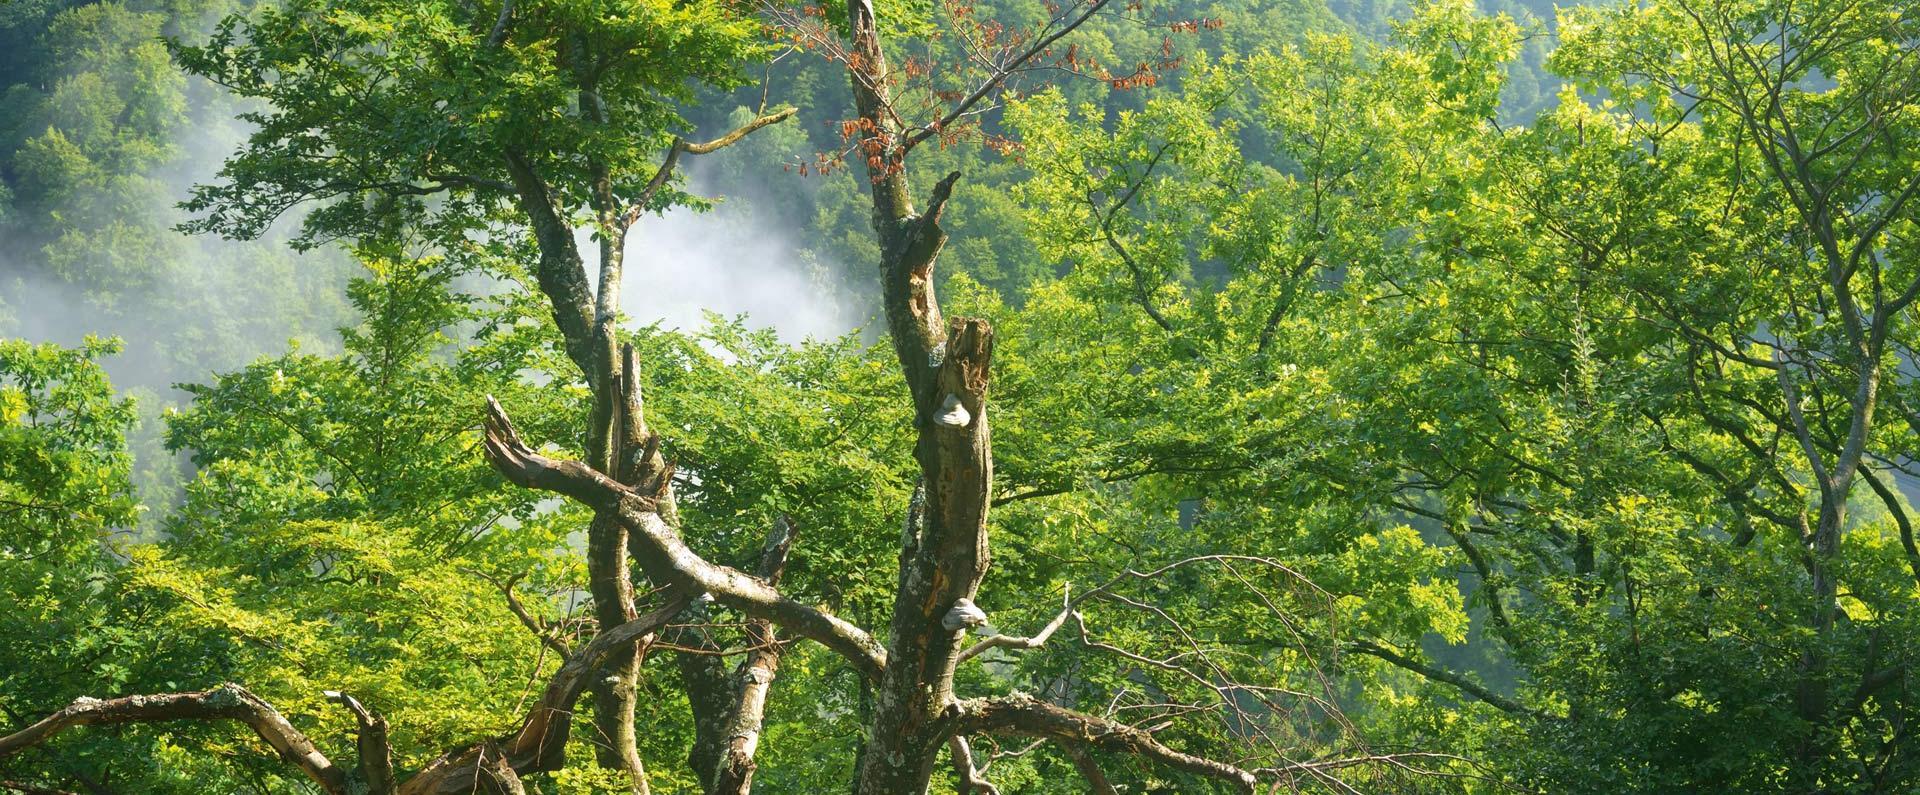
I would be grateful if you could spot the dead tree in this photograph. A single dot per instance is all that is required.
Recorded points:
(626, 482)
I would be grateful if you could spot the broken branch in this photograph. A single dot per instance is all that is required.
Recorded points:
(1023, 643)
(1025, 715)
(663, 554)
(226, 702)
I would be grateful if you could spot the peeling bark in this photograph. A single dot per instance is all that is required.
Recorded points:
(740, 731)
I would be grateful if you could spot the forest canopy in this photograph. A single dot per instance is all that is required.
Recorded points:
(1243, 396)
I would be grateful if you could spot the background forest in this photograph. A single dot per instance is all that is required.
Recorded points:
(1386, 398)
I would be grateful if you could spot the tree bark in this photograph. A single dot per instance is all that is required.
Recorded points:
(740, 730)
(943, 558)
(617, 437)
(539, 744)
(226, 702)
(1083, 761)
(665, 557)
(709, 690)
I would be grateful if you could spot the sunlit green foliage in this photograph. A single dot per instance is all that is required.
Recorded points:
(376, 106)
(1461, 436)
(1512, 332)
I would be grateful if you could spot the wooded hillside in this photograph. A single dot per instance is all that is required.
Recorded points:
(1253, 396)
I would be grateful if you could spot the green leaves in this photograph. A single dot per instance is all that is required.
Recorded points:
(63, 459)
(342, 534)
(374, 105)
(65, 490)
(1346, 364)
(1546, 348)
(812, 432)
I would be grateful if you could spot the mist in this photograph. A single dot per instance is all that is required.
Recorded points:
(105, 260)
(92, 250)
(684, 263)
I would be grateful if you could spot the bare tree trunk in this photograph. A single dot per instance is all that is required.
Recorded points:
(740, 728)
(741, 731)
(617, 442)
(614, 690)
(709, 690)
(944, 550)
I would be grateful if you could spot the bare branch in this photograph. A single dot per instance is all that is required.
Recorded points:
(226, 702)
(540, 742)
(496, 775)
(1023, 643)
(1024, 715)
(1897, 510)
(734, 775)
(525, 467)
(745, 716)
(376, 753)
(1142, 294)
(740, 132)
(681, 146)
(499, 32)
(1083, 761)
(1001, 73)
(774, 551)
(669, 559)
(539, 628)
(971, 782)
(1438, 674)
(663, 554)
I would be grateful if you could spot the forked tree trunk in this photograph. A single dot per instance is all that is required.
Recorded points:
(944, 551)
